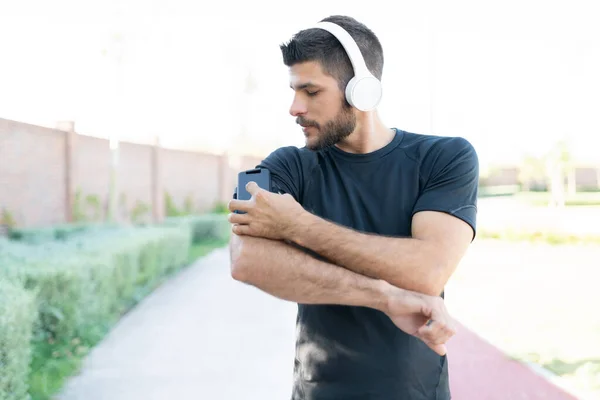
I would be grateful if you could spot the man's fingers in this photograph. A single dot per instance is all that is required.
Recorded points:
(241, 229)
(431, 332)
(435, 333)
(239, 205)
(252, 188)
(439, 348)
(242, 219)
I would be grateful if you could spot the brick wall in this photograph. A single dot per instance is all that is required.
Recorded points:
(32, 173)
(47, 173)
(587, 177)
(231, 167)
(42, 170)
(91, 172)
(502, 176)
(134, 177)
(191, 175)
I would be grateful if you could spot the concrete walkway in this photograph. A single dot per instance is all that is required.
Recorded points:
(203, 335)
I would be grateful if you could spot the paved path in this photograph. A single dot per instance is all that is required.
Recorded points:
(203, 335)
(480, 371)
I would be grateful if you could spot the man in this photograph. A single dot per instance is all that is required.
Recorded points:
(371, 224)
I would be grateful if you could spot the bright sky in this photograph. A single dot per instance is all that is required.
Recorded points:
(512, 76)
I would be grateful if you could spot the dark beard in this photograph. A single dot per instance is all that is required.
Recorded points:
(333, 131)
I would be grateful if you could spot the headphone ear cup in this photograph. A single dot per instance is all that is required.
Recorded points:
(364, 92)
(350, 97)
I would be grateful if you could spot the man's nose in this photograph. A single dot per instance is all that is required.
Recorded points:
(298, 107)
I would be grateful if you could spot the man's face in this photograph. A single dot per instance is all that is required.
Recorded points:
(319, 106)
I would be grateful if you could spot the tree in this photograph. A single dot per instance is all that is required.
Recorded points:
(560, 164)
(532, 173)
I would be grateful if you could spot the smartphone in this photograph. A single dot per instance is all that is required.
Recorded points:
(261, 176)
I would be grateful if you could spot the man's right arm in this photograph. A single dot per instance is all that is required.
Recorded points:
(290, 274)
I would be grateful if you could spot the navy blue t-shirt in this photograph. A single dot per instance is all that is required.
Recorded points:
(345, 352)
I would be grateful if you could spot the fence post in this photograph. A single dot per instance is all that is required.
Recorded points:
(158, 208)
(221, 183)
(228, 169)
(70, 165)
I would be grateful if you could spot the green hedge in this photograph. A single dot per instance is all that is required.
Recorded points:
(56, 232)
(65, 286)
(93, 276)
(497, 191)
(208, 226)
(80, 286)
(17, 315)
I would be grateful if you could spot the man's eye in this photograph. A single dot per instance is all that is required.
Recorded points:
(312, 93)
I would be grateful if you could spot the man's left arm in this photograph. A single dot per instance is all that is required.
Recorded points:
(422, 263)
(443, 226)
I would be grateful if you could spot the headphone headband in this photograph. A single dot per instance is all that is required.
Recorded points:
(356, 58)
(363, 91)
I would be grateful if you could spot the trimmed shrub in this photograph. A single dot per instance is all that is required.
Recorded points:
(203, 227)
(55, 232)
(93, 277)
(17, 315)
(71, 285)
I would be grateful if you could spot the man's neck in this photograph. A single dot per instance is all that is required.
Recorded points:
(370, 135)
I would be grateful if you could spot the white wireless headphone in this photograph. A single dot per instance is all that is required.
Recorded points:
(364, 90)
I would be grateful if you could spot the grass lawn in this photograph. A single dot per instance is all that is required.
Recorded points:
(202, 249)
(53, 363)
(539, 237)
(536, 302)
(541, 199)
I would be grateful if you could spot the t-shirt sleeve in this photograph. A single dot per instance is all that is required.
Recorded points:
(450, 171)
(286, 169)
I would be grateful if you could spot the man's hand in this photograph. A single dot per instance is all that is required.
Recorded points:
(268, 215)
(420, 315)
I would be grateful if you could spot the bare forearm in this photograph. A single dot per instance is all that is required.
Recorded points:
(407, 263)
(290, 274)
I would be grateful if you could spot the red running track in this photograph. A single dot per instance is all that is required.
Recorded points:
(480, 371)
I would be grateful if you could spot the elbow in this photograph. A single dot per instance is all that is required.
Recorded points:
(239, 270)
(238, 259)
(430, 288)
(434, 289)
(432, 279)
(236, 247)
(438, 279)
